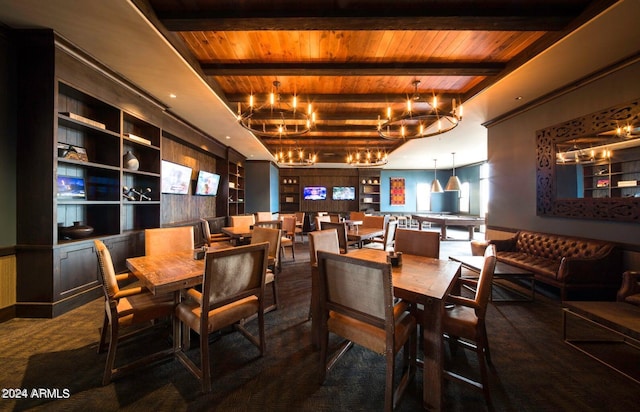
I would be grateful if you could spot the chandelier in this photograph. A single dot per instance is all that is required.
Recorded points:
(368, 158)
(415, 124)
(275, 117)
(294, 156)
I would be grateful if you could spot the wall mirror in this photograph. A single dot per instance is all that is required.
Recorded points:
(589, 167)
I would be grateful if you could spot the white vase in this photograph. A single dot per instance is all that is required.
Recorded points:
(130, 161)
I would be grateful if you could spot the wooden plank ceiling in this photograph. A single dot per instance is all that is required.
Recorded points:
(353, 59)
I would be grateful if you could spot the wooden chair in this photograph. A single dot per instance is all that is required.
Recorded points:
(630, 290)
(357, 216)
(321, 219)
(465, 323)
(343, 240)
(168, 240)
(242, 220)
(273, 237)
(232, 290)
(264, 216)
(209, 237)
(300, 221)
(126, 308)
(289, 235)
(357, 303)
(388, 239)
(326, 240)
(378, 222)
(418, 242)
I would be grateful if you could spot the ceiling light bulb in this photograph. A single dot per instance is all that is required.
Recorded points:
(388, 112)
(251, 100)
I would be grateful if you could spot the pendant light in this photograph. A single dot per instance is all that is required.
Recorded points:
(454, 182)
(436, 187)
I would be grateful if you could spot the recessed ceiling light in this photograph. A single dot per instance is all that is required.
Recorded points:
(172, 95)
(519, 98)
(227, 137)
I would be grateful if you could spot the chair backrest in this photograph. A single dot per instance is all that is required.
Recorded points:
(326, 240)
(483, 291)
(206, 229)
(418, 242)
(272, 236)
(108, 273)
(358, 288)
(263, 216)
(375, 221)
(289, 225)
(271, 224)
(390, 234)
(335, 218)
(299, 217)
(357, 216)
(168, 240)
(242, 220)
(320, 220)
(341, 229)
(234, 273)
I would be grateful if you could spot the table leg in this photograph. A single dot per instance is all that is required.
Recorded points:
(443, 231)
(433, 356)
(177, 327)
(471, 232)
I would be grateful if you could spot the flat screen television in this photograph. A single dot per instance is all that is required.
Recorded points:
(176, 178)
(70, 187)
(314, 193)
(207, 183)
(344, 193)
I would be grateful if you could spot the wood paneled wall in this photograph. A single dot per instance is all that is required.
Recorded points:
(183, 208)
(327, 178)
(7, 281)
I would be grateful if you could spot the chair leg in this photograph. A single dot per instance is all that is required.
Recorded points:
(483, 374)
(389, 401)
(205, 368)
(111, 354)
(274, 288)
(103, 334)
(485, 343)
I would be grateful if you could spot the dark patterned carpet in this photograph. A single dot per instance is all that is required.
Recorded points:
(534, 369)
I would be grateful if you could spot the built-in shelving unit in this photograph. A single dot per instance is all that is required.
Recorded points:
(369, 194)
(614, 177)
(290, 194)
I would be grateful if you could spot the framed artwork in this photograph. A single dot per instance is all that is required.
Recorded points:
(397, 191)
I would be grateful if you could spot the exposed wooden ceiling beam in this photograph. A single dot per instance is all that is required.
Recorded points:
(380, 98)
(352, 69)
(453, 17)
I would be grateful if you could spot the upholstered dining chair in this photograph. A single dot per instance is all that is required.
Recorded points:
(300, 230)
(289, 235)
(242, 220)
(343, 239)
(273, 237)
(263, 216)
(209, 237)
(378, 222)
(386, 242)
(357, 304)
(465, 323)
(232, 290)
(168, 240)
(630, 290)
(320, 220)
(326, 240)
(418, 242)
(357, 216)
(124, 310)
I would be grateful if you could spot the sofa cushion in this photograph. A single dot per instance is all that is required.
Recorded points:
(555, 247)
(538, 265)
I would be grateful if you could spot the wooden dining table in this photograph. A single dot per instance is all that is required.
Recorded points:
(361, 233)
(426, 281)
(171, 273)
(238, 234)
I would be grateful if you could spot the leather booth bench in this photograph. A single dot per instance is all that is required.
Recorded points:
(565, 262)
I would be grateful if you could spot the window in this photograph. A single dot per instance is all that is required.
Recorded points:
(464, 197)
(423, 197)
(484, 189)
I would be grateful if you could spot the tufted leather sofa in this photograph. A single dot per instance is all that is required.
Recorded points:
(564, 262)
